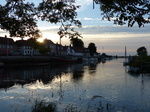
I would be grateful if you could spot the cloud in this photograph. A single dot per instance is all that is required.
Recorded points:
(84, 2)
(90, 19)
(103, 29)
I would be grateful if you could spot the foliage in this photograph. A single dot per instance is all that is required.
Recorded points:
(122, 11)
(92, 48)
(142, 51)
(139, 60)
(20, 17)
(41, 47)
(41, 106)
(76, 42)
(60, 12)
(33, 42)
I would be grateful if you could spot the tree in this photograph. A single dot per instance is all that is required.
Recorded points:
(122, 11)
(92, 48)
(20, 17)
(142, 51)
(76, 42)
(33, 42)
(60, 12)
(42, 49)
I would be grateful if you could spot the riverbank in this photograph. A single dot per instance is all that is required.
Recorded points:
(141, 62)
(10, 61)
(22, 61)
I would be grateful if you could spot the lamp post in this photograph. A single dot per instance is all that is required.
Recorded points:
(7, 44)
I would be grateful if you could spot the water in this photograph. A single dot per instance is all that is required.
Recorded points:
(87, 87)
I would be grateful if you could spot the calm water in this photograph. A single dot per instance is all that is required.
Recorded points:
(84, 86)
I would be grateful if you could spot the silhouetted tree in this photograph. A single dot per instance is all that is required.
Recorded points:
(142, 51)
(92, 48)
(33, 42)
(41, 47)
(122, 11)
(76, 42)
(20, 17)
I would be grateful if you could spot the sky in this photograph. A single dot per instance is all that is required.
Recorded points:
(108, 37)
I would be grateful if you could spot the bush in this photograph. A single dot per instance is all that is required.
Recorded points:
(140, 59)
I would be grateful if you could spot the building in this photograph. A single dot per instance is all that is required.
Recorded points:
(49, 44)
(7, 46)
(24, 48)
(78, 51)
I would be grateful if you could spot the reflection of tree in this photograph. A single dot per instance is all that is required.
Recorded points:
(135, 75)
(92, 68)
(77, 74)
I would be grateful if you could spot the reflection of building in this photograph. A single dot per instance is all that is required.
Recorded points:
(22, 76)
(46, 74)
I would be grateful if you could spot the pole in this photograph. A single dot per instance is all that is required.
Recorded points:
(7, 44)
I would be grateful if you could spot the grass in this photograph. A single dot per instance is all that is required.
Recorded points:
(71, 108)
(41, 106)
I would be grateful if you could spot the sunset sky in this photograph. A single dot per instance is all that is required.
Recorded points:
(108, 37)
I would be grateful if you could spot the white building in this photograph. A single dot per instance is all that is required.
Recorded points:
(24, 48)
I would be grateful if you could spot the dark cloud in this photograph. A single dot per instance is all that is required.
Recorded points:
(113, 29)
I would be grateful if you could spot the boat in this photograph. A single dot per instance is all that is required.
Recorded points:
(134, 69)
(125, 63)
(90, 59)
(103, 60)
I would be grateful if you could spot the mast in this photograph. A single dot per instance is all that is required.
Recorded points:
(125, 53)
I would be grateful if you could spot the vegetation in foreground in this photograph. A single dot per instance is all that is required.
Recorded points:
(41, 106)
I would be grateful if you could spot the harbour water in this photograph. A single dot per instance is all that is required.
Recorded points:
(103, 87)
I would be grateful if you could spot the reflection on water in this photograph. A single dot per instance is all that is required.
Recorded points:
(88, 86)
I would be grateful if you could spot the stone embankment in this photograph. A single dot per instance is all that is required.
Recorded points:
(10, 61)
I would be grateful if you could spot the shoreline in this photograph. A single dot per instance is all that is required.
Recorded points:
(23, 61)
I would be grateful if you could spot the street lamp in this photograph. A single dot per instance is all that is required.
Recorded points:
(7, 43)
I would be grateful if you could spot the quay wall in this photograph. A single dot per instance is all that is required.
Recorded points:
(20, 60)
